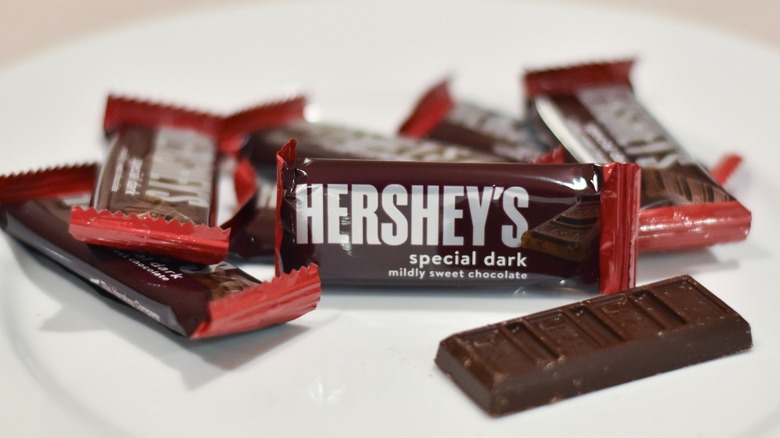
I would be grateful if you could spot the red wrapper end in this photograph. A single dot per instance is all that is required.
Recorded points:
(556, 156)
(229, 131)
(429, 111)
(56, 182)
(184, 240)
(237, 126)
(620, 230)
(566, 80)
(693, 226)
(245, 185)
(276, 301)
(128, 111)
(724, 168)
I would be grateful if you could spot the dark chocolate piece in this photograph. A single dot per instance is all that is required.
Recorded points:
(597, 343)
(570, 235)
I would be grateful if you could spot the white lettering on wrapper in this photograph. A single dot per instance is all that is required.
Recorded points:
(350, 214)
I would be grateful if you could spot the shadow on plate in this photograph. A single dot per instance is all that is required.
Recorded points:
(726, 257)
(82, 312)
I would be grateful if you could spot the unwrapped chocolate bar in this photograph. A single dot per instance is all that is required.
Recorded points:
(192, 300)
(592, 111)
(439, 117)
(597, 343)
(157, 188)
(383, 223)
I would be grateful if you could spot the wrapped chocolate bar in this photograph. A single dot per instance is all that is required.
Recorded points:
(157, 188)
(594, 344)
(325, 140)
(437, 116)
(592, 111)
(322, 140)
(192, 300)
(500, 225)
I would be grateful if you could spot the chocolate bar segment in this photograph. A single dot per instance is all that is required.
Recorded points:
(592, 111)
(594, 344)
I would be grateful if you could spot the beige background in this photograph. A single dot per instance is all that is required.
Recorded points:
(28, 27)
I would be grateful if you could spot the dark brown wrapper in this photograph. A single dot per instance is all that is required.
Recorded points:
(392, 223)
(192, 300)
(592, 111)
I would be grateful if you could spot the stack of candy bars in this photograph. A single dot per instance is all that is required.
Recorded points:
(462, 197)
(142, 226)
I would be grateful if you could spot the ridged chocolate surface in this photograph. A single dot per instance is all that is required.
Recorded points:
(582, 347)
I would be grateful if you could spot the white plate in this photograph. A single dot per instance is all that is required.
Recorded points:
(361, 365)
